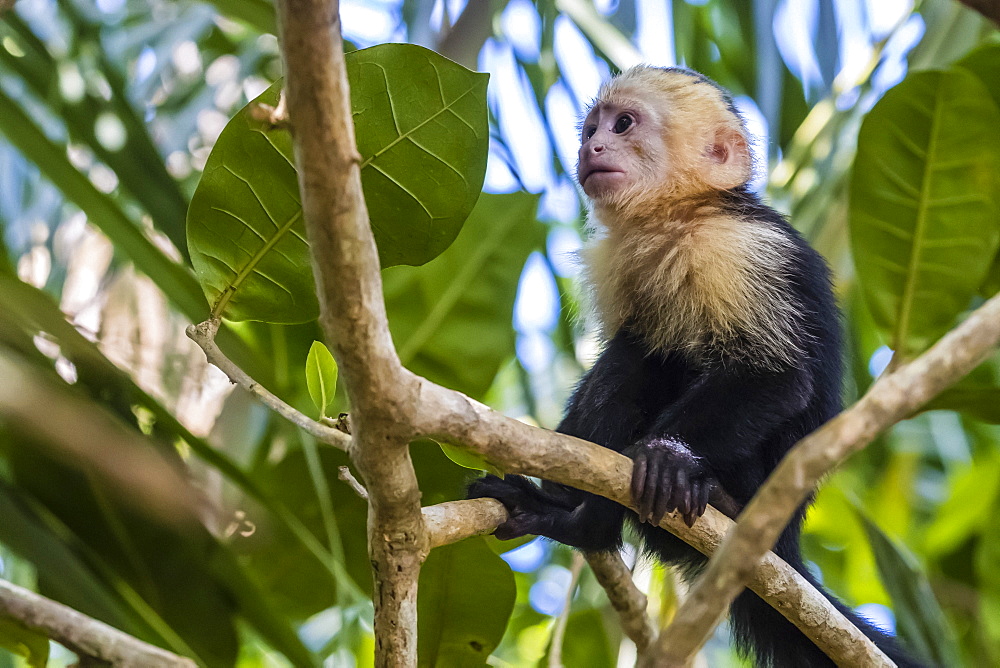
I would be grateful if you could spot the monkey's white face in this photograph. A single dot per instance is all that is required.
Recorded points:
(611, 148)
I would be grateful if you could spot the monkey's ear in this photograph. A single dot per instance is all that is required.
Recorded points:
(728, 160)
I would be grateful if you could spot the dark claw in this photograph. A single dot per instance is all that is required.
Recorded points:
(639, 481)
(666, 477)
(681, 490)
(649, 492)
(706, 488)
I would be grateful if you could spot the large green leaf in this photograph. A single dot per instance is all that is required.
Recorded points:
(451, 319)
(421, 128)
(919, 619)
(984, 62)
(925, 220)
(466, 595)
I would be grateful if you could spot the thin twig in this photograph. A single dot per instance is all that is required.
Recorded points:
(83, 635)
(352, 482)
(276, 117)
(892, 398)
(204, 335)
(630, 603)
(559, 632)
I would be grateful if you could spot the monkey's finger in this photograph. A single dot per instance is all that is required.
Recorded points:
(706, 488)
(691, 499)
(649, 489)
(687, 503)
(638, 481)
(680, 488)
(663, 488)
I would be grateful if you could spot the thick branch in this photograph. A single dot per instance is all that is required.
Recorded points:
(204, 335)
(520, 448)
(352, 314)
(83, 635)
(892, 398)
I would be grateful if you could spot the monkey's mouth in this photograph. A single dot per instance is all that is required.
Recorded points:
(592, 171)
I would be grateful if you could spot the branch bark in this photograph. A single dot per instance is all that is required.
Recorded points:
(892, 398)
(81, 634)
(352, 314)
(630, 603)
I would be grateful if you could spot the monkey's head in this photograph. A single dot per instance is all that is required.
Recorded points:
(656, 135)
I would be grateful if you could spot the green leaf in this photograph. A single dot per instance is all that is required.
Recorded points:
(299, 584)
(468, 459)
(65, 575)
(22, 641)
(585, 642)
(973, 493)
(321, 376)
(925, 223)
(984, 62)
(466, 595)
(451, 319)
(920, 621)
(987, 556)
(421, 128)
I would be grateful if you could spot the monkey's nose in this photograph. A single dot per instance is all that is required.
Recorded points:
(597, 148)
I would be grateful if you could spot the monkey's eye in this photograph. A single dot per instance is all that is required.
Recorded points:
(589, 131)
(622, 124)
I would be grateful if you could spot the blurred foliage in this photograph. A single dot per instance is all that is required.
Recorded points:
(109, 113)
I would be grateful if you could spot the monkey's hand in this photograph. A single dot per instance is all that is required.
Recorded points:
(667, 476)
(524, 501)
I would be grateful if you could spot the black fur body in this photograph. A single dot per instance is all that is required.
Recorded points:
(716, 413)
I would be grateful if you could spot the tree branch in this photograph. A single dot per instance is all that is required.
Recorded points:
(519, 448)
(559, 632)
(352, 314)
(81, 634)
(453, 521)
(630, 603)
(204, 335)
(893, 397)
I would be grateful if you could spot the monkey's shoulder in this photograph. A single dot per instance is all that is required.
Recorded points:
(733, 279)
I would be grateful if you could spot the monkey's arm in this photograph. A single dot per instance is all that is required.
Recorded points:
(720, 423)
(604, 409)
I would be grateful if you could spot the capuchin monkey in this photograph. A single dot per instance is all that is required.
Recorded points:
(722, 340)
